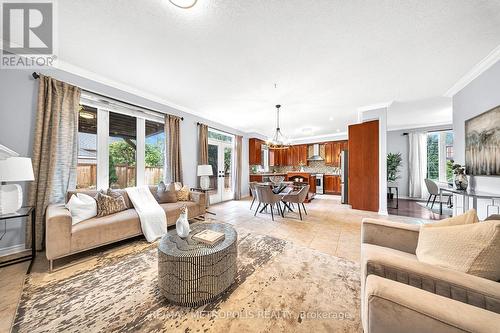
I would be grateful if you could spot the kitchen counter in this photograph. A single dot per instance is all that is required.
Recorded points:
(268, 174)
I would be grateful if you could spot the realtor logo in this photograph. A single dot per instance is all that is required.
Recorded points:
(27, 34)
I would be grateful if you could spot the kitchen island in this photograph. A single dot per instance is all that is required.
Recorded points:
(304, 178)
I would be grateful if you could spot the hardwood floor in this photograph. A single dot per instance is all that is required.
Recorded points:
(410, 208)
(329, 227)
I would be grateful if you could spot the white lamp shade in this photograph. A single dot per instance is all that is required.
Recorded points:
(205, 170)
(16, 169)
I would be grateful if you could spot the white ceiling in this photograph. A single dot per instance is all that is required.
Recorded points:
(221, 59)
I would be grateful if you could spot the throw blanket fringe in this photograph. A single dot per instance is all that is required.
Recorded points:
(152, 216)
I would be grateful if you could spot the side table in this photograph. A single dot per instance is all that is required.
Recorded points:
(22, 212)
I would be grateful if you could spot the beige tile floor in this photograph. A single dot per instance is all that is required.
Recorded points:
(329, 227)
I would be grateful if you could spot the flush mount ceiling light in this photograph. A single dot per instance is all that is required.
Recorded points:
(278, 141)
(184, 4)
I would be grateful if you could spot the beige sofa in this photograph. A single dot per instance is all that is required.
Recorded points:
(63, 239)
(401, 294)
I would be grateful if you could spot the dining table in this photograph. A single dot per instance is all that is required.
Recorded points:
(466, 195)
(278, 188)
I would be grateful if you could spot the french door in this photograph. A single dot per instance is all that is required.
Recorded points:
(220, 157)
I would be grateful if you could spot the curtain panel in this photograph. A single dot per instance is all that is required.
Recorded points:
(55, 149)
(202, 146)
(173, 158)
(417, 165)
(237, 167)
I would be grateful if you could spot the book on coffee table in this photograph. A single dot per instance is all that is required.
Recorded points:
(209, 237)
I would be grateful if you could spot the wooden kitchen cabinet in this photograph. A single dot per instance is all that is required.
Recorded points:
(329, 153)
(331, 184)
(302, 154)
(255, 151)
(256, 178)
(332, 152)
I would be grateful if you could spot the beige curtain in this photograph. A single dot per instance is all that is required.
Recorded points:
(174, 160)
(55, 149)
(237, 167)
(203, 144)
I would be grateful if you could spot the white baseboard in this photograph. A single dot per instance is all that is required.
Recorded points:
(6, 251)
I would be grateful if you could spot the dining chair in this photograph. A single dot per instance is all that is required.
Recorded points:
(253, 192)
(297, 197)
(267, 197)
(433, 190)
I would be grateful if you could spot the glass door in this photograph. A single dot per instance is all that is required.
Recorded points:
(220, 157)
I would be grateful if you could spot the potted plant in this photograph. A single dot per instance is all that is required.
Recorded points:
(461, 181)
(394, 161)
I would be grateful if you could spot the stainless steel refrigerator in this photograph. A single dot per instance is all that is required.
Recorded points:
(344, 186)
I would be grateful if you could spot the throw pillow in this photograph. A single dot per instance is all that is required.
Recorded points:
(166, 193)
(107, 205)
(469, 248)
(467, 218)
(183, 194)
(81, 207)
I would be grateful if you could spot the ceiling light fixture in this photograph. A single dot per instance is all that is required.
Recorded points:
(184, 4)
(278, 141)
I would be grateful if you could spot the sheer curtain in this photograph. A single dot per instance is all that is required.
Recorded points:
(417, 164)
(55, 149)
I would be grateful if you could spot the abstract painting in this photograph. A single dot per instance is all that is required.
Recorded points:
(482, 144)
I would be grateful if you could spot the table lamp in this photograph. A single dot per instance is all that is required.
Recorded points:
(204, 171)
(13, 169)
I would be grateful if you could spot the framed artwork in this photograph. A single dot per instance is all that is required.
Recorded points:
(482, 144)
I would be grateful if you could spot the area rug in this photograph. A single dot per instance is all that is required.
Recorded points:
(279, 287)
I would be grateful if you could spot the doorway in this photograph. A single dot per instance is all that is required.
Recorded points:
(220, 157)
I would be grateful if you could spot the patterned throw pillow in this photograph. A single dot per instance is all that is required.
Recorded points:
(183, 194)
(166, 193)
(109, 204)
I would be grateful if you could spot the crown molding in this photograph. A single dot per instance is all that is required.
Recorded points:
(477, 70)
(375, 106)
(428, 125)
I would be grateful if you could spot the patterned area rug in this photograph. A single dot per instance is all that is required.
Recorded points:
(279, 287)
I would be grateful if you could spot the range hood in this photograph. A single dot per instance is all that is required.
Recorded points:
(315, 156)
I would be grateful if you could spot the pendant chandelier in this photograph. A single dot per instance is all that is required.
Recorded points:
(278, 141)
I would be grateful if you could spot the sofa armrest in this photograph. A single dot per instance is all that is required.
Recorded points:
(394, 235)
(58, 224)
(459, 286)
(200, 199)
(394, 307)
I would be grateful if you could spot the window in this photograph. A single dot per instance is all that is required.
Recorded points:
(122, 143)
(440, 156)
(86, 171)
(154, 152)
(433, 156)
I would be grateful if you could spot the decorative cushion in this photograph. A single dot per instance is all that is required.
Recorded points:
(470, 248)
(82, 207)
(109, 204)
(467, 218)
(166, 193)
(183, 194)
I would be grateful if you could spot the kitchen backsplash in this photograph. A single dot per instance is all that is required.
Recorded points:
(313, 167)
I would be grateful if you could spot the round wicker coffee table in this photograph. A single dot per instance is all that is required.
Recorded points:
(191, 273)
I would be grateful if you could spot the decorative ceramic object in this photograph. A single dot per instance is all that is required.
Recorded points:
(182, 224)
(461, 182)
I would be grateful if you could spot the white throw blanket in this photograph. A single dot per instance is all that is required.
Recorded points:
(152, 216)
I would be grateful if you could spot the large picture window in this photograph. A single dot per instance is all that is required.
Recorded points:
(154, 152)
(122, 147)
(86, 174)
(440, 156)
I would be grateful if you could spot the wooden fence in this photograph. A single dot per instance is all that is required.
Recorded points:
(87, 176)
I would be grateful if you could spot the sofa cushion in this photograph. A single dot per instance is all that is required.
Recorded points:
(107, 204)
(82, 207)
(469, 248)
(101, 230)
(468, 217)
(183, 194)
(93, 193)
(166, 193)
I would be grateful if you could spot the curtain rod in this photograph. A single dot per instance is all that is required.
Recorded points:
(37, 76)
(217, 129)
